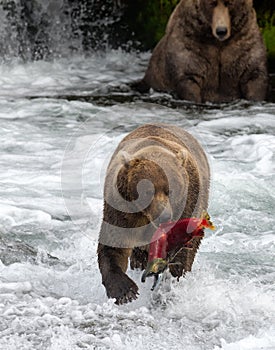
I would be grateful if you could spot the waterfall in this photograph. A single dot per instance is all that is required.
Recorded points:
(41, 29)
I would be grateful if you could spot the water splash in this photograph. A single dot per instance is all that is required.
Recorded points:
(42, 29)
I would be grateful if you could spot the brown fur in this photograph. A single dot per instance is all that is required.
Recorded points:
(200, 65)
(164, 155)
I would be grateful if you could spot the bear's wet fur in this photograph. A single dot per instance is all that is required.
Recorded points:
(157, 173)
(212, 51)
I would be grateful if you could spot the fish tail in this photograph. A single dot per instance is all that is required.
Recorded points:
(206, 221)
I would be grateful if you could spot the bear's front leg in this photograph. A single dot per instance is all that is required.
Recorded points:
(182, 259)
(189, 88)
(113, 264)
(254, 86)
(139, 258)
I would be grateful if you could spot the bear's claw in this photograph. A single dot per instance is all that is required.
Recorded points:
(131, 295)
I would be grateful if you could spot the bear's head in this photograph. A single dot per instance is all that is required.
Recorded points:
(154, 183)
(226, 17)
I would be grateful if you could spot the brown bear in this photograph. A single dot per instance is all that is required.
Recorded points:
(212, 51)
(157, 173)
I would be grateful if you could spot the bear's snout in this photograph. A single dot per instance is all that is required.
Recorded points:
(166, 215)
(221, 23)
(221, 32)
(161, 210)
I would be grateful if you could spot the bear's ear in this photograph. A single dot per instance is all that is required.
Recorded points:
(182, 156)
(124, 158)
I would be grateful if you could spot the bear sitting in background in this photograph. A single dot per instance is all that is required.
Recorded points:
(212, 51)
(158, 173)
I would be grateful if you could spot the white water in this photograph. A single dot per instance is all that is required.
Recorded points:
(53, 156)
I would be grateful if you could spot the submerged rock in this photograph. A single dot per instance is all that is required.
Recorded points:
(17, 251)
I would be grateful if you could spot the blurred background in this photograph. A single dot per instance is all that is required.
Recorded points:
(35, 29)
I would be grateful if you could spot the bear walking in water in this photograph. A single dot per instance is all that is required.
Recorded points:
(157, 173)
(212, 51)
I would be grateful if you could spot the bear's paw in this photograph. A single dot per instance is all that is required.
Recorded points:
(120, 287)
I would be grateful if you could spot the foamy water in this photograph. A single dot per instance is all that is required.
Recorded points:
(53, 156)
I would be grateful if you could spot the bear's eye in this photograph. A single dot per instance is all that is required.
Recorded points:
(213, 3)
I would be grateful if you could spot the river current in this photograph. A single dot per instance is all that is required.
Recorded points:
(60, 122)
